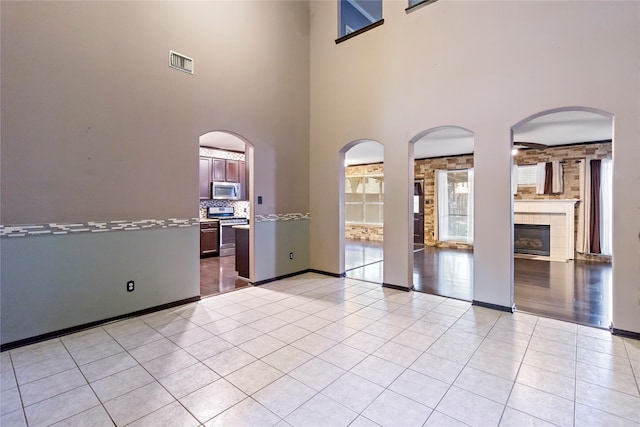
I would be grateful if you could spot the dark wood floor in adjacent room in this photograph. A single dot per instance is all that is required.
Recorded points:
(577, 291)
(218, 275)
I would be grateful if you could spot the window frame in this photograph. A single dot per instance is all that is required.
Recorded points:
(359, 31)
(418, 5)
(364, 202)
(453, 239)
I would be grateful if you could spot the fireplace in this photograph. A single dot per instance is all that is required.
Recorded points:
(532, 239)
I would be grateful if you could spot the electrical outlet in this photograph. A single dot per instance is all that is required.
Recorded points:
(290, 255)
(131, 286)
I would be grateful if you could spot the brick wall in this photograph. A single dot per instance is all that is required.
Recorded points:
(571, 176)
(426, 169)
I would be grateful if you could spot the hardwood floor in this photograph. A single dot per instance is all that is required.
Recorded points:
(576, 291)
(218, 275)
(446, 272)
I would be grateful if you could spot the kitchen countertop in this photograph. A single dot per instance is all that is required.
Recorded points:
(205, 220)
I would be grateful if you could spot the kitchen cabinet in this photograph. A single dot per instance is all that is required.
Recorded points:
(226, 170)
(205, 178)
(242, 179)
(219, 170)
(242, 250)
(209, 238)
(232, 171)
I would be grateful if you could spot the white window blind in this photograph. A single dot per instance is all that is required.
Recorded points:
(527, 175)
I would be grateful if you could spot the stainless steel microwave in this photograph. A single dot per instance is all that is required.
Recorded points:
(225, 190)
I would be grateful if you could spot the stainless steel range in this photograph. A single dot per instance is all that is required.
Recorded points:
(227, 220)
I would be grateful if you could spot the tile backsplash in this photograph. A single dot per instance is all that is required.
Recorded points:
(240, 207)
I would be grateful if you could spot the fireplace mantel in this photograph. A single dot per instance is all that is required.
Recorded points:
(557, 213)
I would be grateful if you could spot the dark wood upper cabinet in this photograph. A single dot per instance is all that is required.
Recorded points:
(205, 178)
(219, 170)
(233, 171)
(242, 171)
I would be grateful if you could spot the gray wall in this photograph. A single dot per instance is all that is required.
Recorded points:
(96, 127)
(56, 282)
(274, 241)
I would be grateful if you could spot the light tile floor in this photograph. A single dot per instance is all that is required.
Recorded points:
(317, 351)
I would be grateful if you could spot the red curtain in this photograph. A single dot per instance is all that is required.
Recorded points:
(548, 178)
(594, 220)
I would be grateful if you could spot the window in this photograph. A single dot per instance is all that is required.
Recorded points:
(413, 3)
(455, 205)
(364, 199)
(527, 176)
(358, 14)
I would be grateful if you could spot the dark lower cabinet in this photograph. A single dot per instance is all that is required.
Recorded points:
(209, 238)
(242, 251)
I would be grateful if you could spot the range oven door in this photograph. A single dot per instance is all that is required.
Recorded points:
(227, 240)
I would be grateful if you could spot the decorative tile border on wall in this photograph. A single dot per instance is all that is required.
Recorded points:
(8, 231)
(282, 217)
(221, 154)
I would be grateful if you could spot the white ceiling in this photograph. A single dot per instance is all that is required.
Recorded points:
(222, 141)
(565, 127)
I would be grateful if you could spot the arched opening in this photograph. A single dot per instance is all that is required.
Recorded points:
(226, 192)
(443, 212)
(362, 210)
(562, 187)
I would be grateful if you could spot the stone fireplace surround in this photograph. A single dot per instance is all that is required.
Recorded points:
(559, 214)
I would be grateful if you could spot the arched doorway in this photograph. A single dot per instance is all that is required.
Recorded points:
(562, 215)
(362, 210)
(226, 189)
(443, 212)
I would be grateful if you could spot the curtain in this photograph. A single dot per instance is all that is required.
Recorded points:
(540, 177)
(443, 205)
(582, 245)
(594, 210)
(606, 207)
(514, 179)
(470, 201)
(557, 186)
(417, 189)
(548, 178)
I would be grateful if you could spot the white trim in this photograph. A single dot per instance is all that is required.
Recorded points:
(547, 212)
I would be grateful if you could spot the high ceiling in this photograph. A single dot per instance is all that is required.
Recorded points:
(565, 127)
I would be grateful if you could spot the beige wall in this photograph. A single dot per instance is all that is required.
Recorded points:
(96, 126)
(484, 66)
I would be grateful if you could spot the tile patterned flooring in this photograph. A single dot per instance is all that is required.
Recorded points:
(318, 351)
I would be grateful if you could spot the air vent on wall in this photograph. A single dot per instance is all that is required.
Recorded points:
(180, 62)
